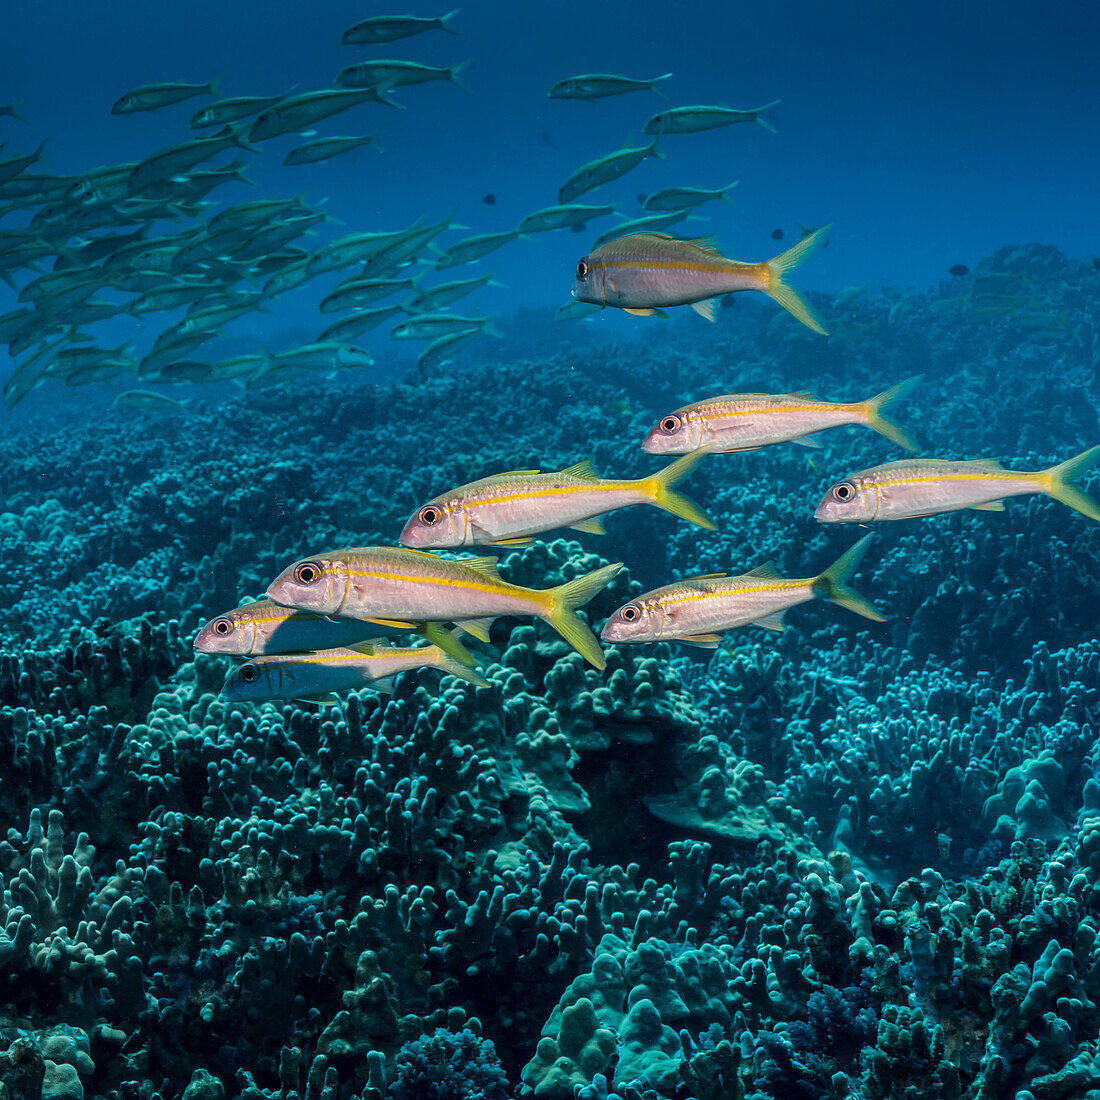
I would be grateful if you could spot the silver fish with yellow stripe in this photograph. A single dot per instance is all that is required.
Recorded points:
(330, 672)
(507, 509)
(746, 421)
(930, 486)
(642, 272)
(265, 627)
(391, 585)
(698, 610)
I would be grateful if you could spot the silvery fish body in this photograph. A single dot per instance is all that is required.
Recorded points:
(745, 421)
(473, 248)
(687, 198)
(394, 74)
(929, 486)
(592, 86)
(562, 217)
(383, 582)
(698, 610)
(510, 507)
(642, 272)
(605, 169)
(226, 111)
(691, 120)
(151, 97)
(313, 152)
(330, 671)
(378, 29)
(299, 112)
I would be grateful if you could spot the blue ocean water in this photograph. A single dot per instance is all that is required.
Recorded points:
(849, 857)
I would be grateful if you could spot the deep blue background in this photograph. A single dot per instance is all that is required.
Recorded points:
(930, 134)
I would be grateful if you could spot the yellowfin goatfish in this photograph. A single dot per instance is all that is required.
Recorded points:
(147, 401)
(605, 169)
(644, 271)
(321, 675)
(265, 627)
(507, 509)
(698, 610)
(929, 486)
(225, 111)
(394, 585)
(593, 86)
(687, 198)
(151, 97)
(690, 120)
(394, 74)
(295, 113)
(313, 152)
(379, 29)
(745, 421)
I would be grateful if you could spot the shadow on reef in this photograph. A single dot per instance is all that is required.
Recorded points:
(847, 860)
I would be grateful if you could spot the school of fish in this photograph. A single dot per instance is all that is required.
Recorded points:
(144, 239)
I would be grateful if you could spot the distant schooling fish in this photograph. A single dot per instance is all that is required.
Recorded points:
(379, 29)
(265, 627)
(384, 583)
(929, 486)
(324, 674)
(151, 97)
(605, 169)
(745, 421)
(593, 86)
(698, 610)
(507, 509)
(644, 271)
(690, 120)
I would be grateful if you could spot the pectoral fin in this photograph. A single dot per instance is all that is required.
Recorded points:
(476, 628)
(593, 526)
(705, 308)
(772, 622)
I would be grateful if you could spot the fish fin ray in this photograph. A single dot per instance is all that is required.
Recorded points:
(832, 584)
(666, 497)
(562, 614)
(1060, 481)
(584, 468)
(593, 526)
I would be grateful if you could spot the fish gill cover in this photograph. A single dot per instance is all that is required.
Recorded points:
(707, 857)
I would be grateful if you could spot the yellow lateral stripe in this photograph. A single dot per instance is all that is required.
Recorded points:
(548, 491)
(930, 479)
(739, 590)
(503, 588)
(721, 412)
(730, 266)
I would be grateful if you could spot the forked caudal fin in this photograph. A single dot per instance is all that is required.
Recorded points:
(446, 663)
(883, 424)
(833, 583)
(1060, 481)
(562, 613)
(443, 639)
(666, 497)
(787, 296)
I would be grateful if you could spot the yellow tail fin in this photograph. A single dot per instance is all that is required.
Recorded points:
(883, 424)
(440, 636)
(785, 262)
(562, 616)
(1060, 485)
(833, 583)
(664, 496)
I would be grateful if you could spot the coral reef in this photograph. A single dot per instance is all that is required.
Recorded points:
(848, 860)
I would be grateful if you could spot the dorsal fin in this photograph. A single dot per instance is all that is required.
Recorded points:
(765, 571)
(703, 577)
(584, 468)
(801, 393)
(706, 244)
(988, 463)
(515, 473)
(487, 567)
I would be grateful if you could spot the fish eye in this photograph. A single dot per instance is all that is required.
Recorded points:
(670, 424)
(631, 613)
(430, 515)
(248, 673)
(582, 270)
(844, 491)
(222, 627)
(309, 572)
